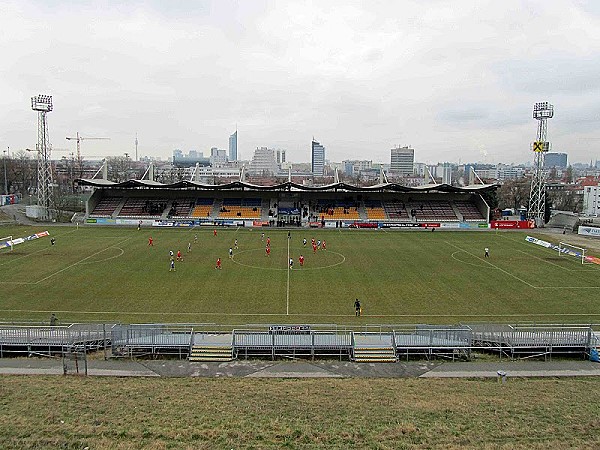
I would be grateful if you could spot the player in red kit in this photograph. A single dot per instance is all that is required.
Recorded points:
(323, 245)
(150, 241)
(314, 248)
(301, 260)
(215, 232)
(218, 266)
(267, 251)
(268, 241)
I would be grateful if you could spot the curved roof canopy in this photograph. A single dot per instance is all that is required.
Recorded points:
(287, 186)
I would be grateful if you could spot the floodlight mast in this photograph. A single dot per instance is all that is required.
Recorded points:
(542, 111)
(43, 105)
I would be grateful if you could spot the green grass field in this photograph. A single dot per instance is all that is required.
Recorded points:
(111, 274)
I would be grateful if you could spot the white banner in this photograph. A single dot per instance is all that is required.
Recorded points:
(588, 231)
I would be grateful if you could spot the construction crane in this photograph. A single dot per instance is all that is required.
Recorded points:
(78, 139)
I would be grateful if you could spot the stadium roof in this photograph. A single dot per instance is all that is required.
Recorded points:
(287, 186)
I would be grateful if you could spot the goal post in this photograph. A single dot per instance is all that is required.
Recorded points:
(573, 250)
(6, 243)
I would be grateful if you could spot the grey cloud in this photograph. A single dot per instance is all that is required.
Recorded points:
(552, 74)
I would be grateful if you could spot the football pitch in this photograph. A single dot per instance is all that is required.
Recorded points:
(113, 275)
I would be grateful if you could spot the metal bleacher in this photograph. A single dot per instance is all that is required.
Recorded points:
(385, 343)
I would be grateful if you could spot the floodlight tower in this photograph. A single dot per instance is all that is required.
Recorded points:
(542, 111)
(43, 105)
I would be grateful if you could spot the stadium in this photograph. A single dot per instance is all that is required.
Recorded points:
(423, 294)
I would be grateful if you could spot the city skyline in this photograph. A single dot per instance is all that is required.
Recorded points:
(456, 82)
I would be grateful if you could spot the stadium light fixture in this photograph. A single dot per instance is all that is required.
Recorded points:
(41, 103)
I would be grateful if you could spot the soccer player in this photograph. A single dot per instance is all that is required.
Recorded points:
(172, 268)
(304, 242)
(150, 242)
(267, 251)
(319, 243)
(323, 246)
(189, 247)
(291, 263)
(218, 265)
(235, 244)
(262, 236)
(52, 241)
(179, 257)
(487, 252)
(171, 254)
(314, 248)
(268, 241)
(195, 239)
(230, 253)
(301, 261)
(357, 308)
(215, 232)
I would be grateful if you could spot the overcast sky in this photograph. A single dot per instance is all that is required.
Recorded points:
(455, 80)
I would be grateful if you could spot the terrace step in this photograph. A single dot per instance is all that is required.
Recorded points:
(211, 353)
(374, 354)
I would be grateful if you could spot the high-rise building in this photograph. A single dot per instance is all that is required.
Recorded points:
(233, 153)
(280, 156)
(193, 157)
(557, 160)
(217, 156)
(446, 173)
(318, 158)
(355, 167)
(263, 162)
(402, 160)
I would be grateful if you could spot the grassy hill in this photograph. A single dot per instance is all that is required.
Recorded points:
(197, 413)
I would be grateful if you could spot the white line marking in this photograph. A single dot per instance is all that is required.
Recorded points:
(465, 262)
(84, 259)
(138, 313)
(516, 277)
(109, 258)
(37, 251)
(304, 269)
(546, 261)
(493, 265)
(287, 302)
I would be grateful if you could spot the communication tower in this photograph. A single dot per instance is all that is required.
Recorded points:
(542, 111)
(43, 105)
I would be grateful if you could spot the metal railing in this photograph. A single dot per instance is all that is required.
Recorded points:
(522, 340)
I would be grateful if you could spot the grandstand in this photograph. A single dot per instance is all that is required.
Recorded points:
(106, 207)
(203, 208)
(240, 208)
(336, 205)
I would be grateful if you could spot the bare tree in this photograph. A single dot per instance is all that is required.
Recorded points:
(118, 168)
(514, 193)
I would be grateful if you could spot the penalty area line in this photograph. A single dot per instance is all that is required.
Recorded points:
(493, 265)
(81, 261)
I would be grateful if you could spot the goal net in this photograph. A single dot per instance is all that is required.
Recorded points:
(6, 243)
(573, 250)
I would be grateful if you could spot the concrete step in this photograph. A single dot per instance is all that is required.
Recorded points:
(211, 353)
(375, 360)
(374, 354)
